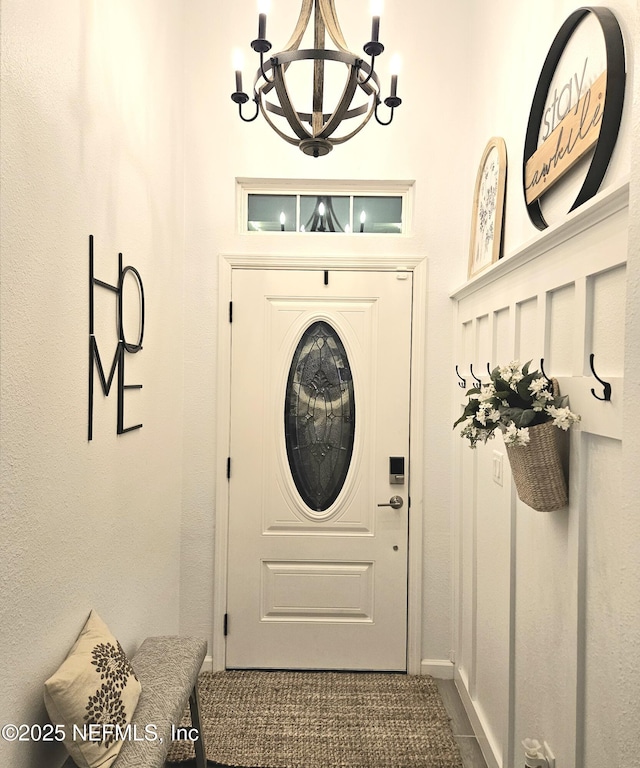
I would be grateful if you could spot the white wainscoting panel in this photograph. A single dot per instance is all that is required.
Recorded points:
(536, 591)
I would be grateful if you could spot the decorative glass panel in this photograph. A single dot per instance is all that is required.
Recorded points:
(324, 213)
(272, 213)
(319, 416)
(380, 215)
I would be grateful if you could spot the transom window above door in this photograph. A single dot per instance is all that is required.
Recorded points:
(353, 208)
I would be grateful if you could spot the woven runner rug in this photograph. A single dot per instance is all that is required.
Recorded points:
(322, 720)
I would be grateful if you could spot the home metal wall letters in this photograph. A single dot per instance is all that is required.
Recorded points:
(123, 346)
(575, 120)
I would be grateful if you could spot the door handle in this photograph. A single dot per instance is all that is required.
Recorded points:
(395, 502)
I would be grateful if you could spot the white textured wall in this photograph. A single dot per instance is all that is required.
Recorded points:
(548, 619)
(91, 143)
(421, 144)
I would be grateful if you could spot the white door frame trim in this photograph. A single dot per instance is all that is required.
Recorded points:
(417, 265)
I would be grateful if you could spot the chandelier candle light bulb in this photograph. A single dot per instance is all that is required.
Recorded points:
(363, 218)
(263, 9)
(238, 64)
(376, 10)
(283, 219)
(394, 67)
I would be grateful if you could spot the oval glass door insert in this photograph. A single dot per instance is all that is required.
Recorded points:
(319, 416)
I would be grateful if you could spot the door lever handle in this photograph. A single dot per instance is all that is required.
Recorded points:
(395, 502)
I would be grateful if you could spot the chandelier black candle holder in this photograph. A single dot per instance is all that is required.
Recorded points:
(315, 132)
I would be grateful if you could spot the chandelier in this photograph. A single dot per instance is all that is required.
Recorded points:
(315, 131)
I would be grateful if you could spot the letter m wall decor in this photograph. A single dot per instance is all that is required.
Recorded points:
(123, 347)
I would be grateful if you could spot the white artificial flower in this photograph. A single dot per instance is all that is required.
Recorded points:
(562, 417)
(471, 433)
(474, 435)
(515, 436)
(541, 402)
(537, 386)
(511, 373)
(488, 392)
(515, 378)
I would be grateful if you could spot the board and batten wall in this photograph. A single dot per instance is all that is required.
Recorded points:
(546, 609)
(537, 591)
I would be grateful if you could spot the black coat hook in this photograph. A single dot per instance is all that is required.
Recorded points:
(473, 376)
(542, 369)
(463, 382)
(607, 387)
(489, 368)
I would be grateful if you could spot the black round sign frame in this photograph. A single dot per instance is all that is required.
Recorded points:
(611, 114)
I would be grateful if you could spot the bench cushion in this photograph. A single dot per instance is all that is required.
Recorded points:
(167, 668)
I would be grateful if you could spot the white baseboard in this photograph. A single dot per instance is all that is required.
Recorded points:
(440, 668)
(476, 720)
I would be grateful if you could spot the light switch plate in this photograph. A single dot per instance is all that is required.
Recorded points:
(497, 467)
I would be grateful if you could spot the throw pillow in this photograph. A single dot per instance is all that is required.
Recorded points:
(93, 695)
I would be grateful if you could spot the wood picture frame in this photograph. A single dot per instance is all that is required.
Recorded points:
(488, 207)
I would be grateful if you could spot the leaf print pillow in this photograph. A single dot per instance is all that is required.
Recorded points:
(93, 696)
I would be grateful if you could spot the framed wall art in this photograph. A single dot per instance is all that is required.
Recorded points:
(488, 207)
(586, 115)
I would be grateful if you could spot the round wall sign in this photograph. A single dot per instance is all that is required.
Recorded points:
(562, 129)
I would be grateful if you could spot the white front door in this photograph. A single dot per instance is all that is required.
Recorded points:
(320, 380)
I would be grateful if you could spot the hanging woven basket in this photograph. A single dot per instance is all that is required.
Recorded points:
(537, 469)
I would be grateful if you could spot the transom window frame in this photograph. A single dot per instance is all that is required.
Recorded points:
(344, 188)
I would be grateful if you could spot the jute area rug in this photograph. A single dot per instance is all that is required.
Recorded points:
(322, 720)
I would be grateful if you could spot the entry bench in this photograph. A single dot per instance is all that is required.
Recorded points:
(167, 668)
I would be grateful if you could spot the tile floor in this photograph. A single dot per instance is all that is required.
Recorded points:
(462, 731)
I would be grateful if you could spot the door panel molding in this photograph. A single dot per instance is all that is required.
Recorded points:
(414, 264)
(351, 585)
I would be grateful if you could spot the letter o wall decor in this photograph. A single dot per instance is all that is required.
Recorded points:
(611, 112)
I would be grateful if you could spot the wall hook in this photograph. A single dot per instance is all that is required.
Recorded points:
(463, 382)
(473, 376)
(607, 387)
(542, 371)
(489, 368)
